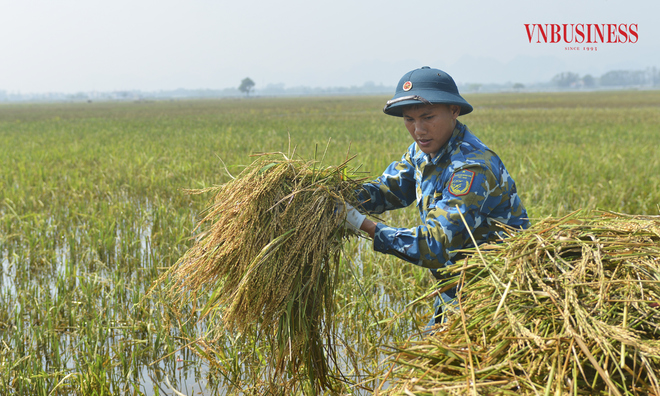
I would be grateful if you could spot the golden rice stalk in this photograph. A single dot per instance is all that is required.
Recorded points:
(570, 306)
(268, 253)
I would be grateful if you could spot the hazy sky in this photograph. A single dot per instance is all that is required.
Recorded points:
(71, 46)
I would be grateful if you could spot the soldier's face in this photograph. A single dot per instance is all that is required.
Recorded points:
(431, 125)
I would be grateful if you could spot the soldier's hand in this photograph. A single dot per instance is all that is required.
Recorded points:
(352, 218)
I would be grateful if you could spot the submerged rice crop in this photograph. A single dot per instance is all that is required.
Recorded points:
(92, 213)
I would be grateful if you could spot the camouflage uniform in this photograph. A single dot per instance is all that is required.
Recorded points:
(464, 173)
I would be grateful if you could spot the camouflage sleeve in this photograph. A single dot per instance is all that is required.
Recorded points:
(394, 189)
(474, 192)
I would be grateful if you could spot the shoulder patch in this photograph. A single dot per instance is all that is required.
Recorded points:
(461, 182)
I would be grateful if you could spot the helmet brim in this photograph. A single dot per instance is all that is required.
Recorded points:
(395, 106)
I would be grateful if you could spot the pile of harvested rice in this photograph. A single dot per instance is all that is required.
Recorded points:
(268, 254)
(571, 306)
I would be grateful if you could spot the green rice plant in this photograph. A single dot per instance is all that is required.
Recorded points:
(92, 214)
(570, 306)
(268, 252)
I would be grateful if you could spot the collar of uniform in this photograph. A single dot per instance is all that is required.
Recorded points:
(448, 148)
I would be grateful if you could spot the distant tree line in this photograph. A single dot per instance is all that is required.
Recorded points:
(649, 78)
(615, 78)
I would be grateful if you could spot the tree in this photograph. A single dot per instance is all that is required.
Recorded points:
(623, 78)
(566, 79)
(589, 81)
(654, 72)
(246, 86)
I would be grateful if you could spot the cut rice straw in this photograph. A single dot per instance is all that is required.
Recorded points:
(267, 253)
(570, 306)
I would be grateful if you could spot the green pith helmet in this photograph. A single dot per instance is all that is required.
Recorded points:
(425, 86)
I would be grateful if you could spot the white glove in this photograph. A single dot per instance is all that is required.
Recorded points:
(354, 219)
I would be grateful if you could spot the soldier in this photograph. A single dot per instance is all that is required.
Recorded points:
(447, 171)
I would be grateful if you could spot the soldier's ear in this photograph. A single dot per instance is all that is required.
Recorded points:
(455, 110)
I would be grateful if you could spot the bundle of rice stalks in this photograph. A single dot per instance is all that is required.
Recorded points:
(570, 306)
(268, 254)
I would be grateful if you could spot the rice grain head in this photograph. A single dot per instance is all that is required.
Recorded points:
(267, 252)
